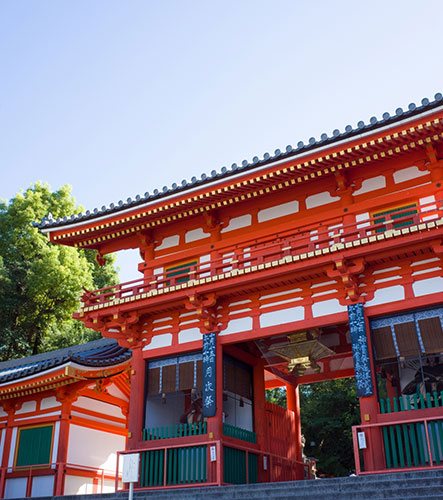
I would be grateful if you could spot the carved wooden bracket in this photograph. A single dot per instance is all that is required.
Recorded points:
(100, 258)
(147, 245)
(206, 308)
(348, 272)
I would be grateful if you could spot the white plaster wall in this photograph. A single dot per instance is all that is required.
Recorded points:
(371, 184)
(326, 307)
(50, 402)
(428, 286)
(159, 414)
(76, 485)
(42, 486)
(195, 235)
(291, 207)
(282, 316)
(238, 222)
(319, 199)
(98, 406)
(108, 486)
(56, 434)
(93, 447)
(189, 335)
(27, 407)
(388, 294)
(237, 325)
(16, 487)
(2, 412)
(113, 390)
(12, 449)
(163, 340)
(240, 416)
(169, 241)
(2, 443)
(406, 174)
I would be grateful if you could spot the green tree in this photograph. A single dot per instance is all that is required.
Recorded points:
(328, 411)
(40, 283)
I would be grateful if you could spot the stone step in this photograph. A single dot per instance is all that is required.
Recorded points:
(412, 485)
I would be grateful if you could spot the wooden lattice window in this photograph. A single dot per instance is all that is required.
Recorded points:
(180, 272)
(404, 215)
(384, 343)
(170, 375)
(407, 340)
(237, 377)
(34, 446)
(431, 334)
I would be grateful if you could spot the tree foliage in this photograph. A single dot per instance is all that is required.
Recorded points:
(40, 283)
(328, 411)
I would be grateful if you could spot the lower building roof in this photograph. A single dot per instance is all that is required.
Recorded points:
(95, 354)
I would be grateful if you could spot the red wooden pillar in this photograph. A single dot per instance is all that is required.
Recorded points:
(258, 381)
(66, 398)
(10, 408)
(373, 455)
(293, 404)
(215, 423)
(136, 398)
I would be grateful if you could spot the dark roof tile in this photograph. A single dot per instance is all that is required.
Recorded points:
(374, 124)
(102, 352)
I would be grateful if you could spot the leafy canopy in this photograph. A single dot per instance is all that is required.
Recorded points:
(328, 411)
(40, 283)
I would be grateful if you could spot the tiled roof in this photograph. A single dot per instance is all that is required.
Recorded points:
(289, 152)
(98, 353)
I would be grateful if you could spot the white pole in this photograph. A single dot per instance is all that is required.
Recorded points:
(131, 491)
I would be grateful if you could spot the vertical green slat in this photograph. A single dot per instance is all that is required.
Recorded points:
(393, 445)
(408, 402)
(395, 404)
(407, 444)
(422, 401)
(413, 444)
(388, 405)
(418, 428)
(440, 433)
(428, 400)
(387, 448)
(168, 467)
(435, 396)
(382, 406)
(150, 468)
(402, 403)
(435, 454)
(400, 445)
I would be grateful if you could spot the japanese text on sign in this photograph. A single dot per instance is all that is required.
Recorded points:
(209, 371)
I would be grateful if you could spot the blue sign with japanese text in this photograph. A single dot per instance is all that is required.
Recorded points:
(209, 374)
(360, 352)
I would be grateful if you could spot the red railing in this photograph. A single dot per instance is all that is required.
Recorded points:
(406, 444)
(271, 467)
(314, 239)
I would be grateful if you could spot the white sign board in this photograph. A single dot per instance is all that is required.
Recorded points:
(361, 440)
(213, 453)
(130, 467)
(265, 462)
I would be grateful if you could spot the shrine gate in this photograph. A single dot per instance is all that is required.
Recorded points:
(317, 262)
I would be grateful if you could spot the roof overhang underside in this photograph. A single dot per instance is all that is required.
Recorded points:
(52, 379)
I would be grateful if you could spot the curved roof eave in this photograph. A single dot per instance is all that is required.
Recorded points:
(427, 107)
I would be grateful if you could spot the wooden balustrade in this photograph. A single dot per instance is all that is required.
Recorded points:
(330, 234)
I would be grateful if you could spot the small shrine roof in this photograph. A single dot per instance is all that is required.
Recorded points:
(289, 152)
(95, 354)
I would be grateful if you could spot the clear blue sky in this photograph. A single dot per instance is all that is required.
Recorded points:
(121, 97)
